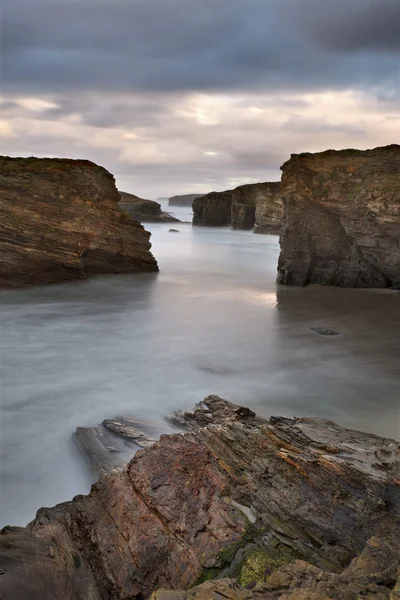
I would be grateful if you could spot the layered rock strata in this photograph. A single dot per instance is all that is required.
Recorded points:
(341, 222)
(144, 211)
(299, 508)
(255, 206)
(61, 221)
(213, 210)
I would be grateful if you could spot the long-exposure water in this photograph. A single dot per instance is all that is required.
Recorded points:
(212, 321)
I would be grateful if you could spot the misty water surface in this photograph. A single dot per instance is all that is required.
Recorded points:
(212, 321)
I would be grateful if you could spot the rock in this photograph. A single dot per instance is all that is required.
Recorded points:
(269, 208)
(341, 221)
(213, 210)
(145, 211)
(174, 230)
(61, 221)
(324, 331)
(111, 445)
(293, 508)
(257, 206)
(183, 199)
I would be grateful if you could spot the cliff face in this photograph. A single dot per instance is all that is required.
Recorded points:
(257, 206)
(144, 211)
(61, 221)
(341, 221)
(235, 496)
(183, 199)
(213, 210)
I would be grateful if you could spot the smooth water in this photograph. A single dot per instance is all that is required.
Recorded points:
(212, 321)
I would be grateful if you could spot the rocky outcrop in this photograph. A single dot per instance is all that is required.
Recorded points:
(300, 508)
(213, 210)
(183, 199)
(255, 206)
(144, 211)
(61, 221)
(341, 221)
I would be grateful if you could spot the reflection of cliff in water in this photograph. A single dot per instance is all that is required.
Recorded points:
(357, 371)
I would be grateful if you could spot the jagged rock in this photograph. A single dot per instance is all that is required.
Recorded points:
(257, 206)
(61, 221)
(213, 210)
(235, 495)
(145, 211)
(341, 222)
(183, 199)
(111, 445)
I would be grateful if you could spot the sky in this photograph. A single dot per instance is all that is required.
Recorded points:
(186, 96)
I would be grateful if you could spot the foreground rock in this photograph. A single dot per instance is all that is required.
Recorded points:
(145, 211)
(183, 199)
(61, 221)
(342, 218)
(301, 508)
(255, 206)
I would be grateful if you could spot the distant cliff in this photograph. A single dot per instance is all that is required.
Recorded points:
(61, 221)
(183, 200)
(341, 221)
(213, 210)
(145, 211)
(257, 206)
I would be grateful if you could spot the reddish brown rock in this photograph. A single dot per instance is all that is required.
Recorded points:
(341, 221)
(234, 497)
(61, 221)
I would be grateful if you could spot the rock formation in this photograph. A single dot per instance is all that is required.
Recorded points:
(144, 211)
(298, 508)
(213, 210)
(257, 206)
(183, 199)
(61, 221)
(341, 221)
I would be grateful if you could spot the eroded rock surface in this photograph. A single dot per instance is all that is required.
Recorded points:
(145, 211)
(61, 221)
(255, 206)
(341, 221)
(301, 508)
(213, 210)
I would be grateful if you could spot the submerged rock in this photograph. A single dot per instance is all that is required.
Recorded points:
(61, 221)
(145, 211)
(298, 508)
(341, 222)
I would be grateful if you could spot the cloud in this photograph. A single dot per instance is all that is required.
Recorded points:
(193, 95)
(180, 45)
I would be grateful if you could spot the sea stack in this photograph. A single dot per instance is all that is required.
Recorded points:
(341, 223)
(61, 221)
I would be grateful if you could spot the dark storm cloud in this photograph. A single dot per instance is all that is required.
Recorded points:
(176, 45)
(351, 25)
